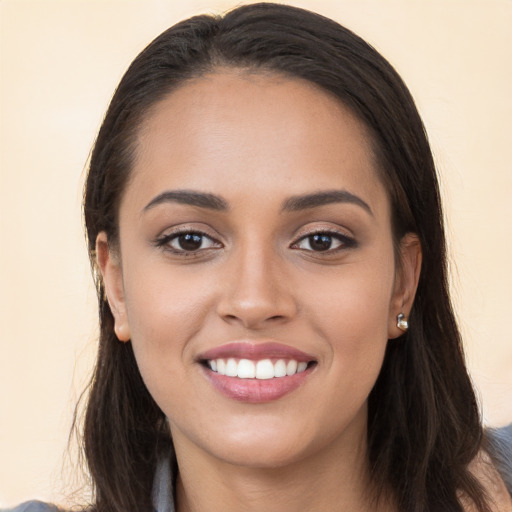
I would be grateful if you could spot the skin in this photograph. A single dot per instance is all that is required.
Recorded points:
(483, 469)
(256, 141)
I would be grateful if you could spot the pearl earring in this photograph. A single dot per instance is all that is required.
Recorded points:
(402, 322)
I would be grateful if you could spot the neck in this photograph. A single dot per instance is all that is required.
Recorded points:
(333, 479)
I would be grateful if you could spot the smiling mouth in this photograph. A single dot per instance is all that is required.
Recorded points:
(262, 369)
(256, 372)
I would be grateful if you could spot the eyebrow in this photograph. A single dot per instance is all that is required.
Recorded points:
(189, 197)
(304, 202)
(292, 204)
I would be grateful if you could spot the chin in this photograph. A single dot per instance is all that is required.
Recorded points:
(276, 444)
(256, 456)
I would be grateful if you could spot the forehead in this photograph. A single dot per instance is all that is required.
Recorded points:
(246, 133)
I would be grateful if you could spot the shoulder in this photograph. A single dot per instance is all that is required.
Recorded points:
(498, 443)
(486, 472)
(32, 506)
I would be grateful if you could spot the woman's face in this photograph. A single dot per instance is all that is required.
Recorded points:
(256, 276)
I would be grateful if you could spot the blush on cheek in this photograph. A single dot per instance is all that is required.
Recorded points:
(357, 313)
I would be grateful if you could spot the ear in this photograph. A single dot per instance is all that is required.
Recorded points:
(109, 264)
(406, 281)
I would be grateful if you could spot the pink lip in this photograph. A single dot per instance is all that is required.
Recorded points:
(256, 351)
(256, 390)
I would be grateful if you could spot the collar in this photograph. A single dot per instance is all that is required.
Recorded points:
(163, 494)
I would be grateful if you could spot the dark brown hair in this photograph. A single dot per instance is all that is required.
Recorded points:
(424, 426)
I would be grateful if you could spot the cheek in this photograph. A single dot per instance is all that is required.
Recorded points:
(165, 311)
(162, 301)
(357, 300)
(352, 313)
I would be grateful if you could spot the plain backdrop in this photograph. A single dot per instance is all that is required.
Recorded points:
(60, 62)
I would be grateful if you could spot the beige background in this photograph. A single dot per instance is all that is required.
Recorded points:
(59, 64)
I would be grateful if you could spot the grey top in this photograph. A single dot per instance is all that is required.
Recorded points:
(32, 506)
(163, 500)
(499, 442)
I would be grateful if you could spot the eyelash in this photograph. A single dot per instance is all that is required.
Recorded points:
(164, 242)
(346, 242)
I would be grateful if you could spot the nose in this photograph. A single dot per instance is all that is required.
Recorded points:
(256, 293)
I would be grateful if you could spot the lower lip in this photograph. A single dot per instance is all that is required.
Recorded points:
(256, 390)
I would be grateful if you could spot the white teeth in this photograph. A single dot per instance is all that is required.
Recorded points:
(231, 368)
(262, 369)
(280, 368)
(246, 369)
(291, 367)
(221, 366)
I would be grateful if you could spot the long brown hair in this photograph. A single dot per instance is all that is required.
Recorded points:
(424, 426)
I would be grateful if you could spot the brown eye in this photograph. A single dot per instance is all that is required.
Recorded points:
(189, 241)
(325, 242)
(320, 242)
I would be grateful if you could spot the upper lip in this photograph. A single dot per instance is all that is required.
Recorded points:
(255, 351)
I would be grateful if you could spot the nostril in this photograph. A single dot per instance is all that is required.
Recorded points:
(255, 313)
(231, 316)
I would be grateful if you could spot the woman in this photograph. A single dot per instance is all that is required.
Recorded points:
(264, 222)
